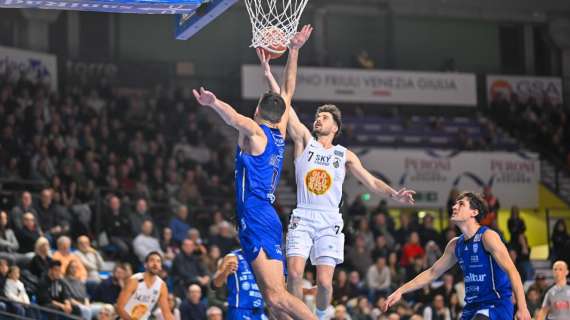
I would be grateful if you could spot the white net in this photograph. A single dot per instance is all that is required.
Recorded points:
(274, 22)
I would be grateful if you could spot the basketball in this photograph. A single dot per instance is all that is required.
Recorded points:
(275, 38)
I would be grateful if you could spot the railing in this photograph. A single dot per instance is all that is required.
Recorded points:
(40, 311)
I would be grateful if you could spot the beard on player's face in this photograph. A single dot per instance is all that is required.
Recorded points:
(322, 128)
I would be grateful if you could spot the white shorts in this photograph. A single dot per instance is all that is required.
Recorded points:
(316, 234)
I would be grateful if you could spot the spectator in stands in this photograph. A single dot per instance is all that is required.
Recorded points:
(359, 256)
(560, 242)
(433, 252)
(378, 279)
(64, 255)
(493, 207)
(447, 289)
(107, 312)
(406, 227)
(173, 303)
(362, 309)
(363, 230)
(14, 291)
(168, 246)
(341, 288)
(57, 296)
(340, 313)
(357, 209)
(438, 310)
(533, 301)
(18, 211)
(90, 258)
(411, 250)
(210, 260)
(214, 313)
(515, 224)
(397, 273)
(191, 308)
(145, 242)
(540, 284)
(521, 246)
(179, 225)
(356, 285)
(427, 232)
(41, 260)
(381, 226)
(381, 248)
(77, 290)
(28, 234)
(116, 225)
(8, 243)
(139, 216)
(54, 219)
(109, 289)
(225, 240)
(187, 269)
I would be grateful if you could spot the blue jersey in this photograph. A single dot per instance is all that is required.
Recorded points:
(257, 177)
(485, 281)
(243, 292)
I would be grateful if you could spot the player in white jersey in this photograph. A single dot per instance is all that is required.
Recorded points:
(143, 291)
(315, 227)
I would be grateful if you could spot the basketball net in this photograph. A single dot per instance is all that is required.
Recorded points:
(274, 22)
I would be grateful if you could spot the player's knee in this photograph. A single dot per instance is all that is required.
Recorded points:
(295, 276)
(324, 283)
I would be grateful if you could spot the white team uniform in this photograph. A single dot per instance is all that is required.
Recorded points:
(315, 226)
(144, 298)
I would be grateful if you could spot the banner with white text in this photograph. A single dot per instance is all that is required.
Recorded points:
(369, 86)
(538, 88)
(33, 66)
(513, 177)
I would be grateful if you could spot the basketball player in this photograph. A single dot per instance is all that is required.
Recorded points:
(259, 159)
(244, 298)
(556, 304)
(143, 290)
(315, 228)
(489, 273)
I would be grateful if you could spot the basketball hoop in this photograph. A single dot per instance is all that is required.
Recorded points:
(274, 22)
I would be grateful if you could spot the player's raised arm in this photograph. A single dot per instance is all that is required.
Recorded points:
(246, 126)
(444, 263)
(493, 244)
(227, 266)
(264, 61)
(376, 185)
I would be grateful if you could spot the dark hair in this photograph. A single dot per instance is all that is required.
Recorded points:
(476, 202)
(54, 263)
(335, 112)
(152, 253)
(271, 107)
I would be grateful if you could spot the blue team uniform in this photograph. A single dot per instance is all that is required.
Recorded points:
(244, 298)
(256, 180)
(488, 290)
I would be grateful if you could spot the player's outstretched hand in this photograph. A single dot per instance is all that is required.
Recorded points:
(405, 195)
(523, 314)
(301, 37)
(204, 97)
(391, 300)
(264, 60)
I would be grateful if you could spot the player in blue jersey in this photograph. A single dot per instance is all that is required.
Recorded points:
(259, 159)
(489, 273)
(244, 298)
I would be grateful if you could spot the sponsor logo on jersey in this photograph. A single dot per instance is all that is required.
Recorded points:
(245, 286)
(322, 160)
(318, 181)
(472, 277)
(294, 223)
(339, 153)
(475, 247)
(474, 259)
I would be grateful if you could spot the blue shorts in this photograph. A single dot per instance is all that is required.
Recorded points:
(260, 228)
(495, 310)
(244, 314)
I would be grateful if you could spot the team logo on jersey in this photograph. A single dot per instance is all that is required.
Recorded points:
(336, 163)
(475, 247)
(318, 181)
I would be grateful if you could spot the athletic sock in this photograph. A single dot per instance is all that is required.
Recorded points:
(321, 314)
